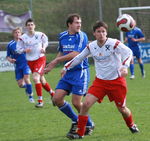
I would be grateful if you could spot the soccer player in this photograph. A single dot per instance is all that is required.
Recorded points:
(22, 70)
(34, 44)
(133, 38)
(71, 43)
(112, 59)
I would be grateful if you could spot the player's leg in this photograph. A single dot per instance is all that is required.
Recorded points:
(62, 105)
(127, 116)
(46, 86)
(19, 78)
(26, 76)
(38, 87)
(119, 96)
(83, 116)
(132, 69)
(29, 90)
(139, 59)
(37, 68)
(77, 103)
(141, 65)
(21, 83)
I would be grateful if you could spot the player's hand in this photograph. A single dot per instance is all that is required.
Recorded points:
(133, 39)
(12, 61)
(123, 72)
(62, 72)
(50, 66)
(27, 50)
(46, 70)
(43, 50)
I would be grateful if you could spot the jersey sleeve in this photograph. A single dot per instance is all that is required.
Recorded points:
(44, 40)
(126, 53)
(78, 59)
(140, 33)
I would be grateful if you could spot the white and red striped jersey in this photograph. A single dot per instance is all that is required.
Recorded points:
(35, 42)
(108, 58)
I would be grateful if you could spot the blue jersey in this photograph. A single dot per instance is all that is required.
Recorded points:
(134, 33)
(11, 52)
(134, 46)
(21, 66)
(76, 79)
(76, 42)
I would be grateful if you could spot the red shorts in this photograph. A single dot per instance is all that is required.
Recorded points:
(115, 90)
(38, 65)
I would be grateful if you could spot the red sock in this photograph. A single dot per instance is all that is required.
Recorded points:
(129, 121)
(38, 88)
(47, 87)
(82, 120)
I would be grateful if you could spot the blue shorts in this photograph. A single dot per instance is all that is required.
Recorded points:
(21, 71)
(136, 52)
(75, 82)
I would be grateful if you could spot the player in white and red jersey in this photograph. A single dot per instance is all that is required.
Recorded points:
(34, 44)
(112, 59)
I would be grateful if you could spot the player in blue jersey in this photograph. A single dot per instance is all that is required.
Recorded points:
(22, 70)
(133, 38)
(75, 81)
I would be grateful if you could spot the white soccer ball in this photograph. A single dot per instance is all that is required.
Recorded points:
(125, 23)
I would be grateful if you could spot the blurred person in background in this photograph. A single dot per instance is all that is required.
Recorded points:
(133, 38)
(22, 70)
(34, 44)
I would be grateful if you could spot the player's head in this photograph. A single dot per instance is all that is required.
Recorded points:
(73, 23)
(17, 32)
(99, 24)
(30, 25)
(100, 30)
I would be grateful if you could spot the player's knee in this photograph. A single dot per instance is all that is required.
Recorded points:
(77, 105)
(57, 101)
(20, 85)
(36, 80)
(86, 105)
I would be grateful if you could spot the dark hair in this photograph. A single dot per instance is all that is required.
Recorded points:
(28, 21)
(100, 24)
(71, 17)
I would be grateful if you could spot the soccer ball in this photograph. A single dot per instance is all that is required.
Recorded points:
(125, 23)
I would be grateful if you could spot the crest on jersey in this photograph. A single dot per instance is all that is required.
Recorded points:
(36, 37)
(107, 47)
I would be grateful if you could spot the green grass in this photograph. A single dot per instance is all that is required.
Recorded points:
(21, 121)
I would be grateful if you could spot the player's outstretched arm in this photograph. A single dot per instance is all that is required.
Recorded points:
(77, 60)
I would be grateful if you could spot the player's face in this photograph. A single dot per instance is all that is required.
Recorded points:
(17, 34)
(100, 34)
(75, 26)
(30, 26)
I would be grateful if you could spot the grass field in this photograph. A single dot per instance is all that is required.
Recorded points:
(21, 121)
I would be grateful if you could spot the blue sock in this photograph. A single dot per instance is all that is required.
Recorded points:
(142, 68)
(89, 122)
(68, 111)
(29, 89)
(132, 69)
